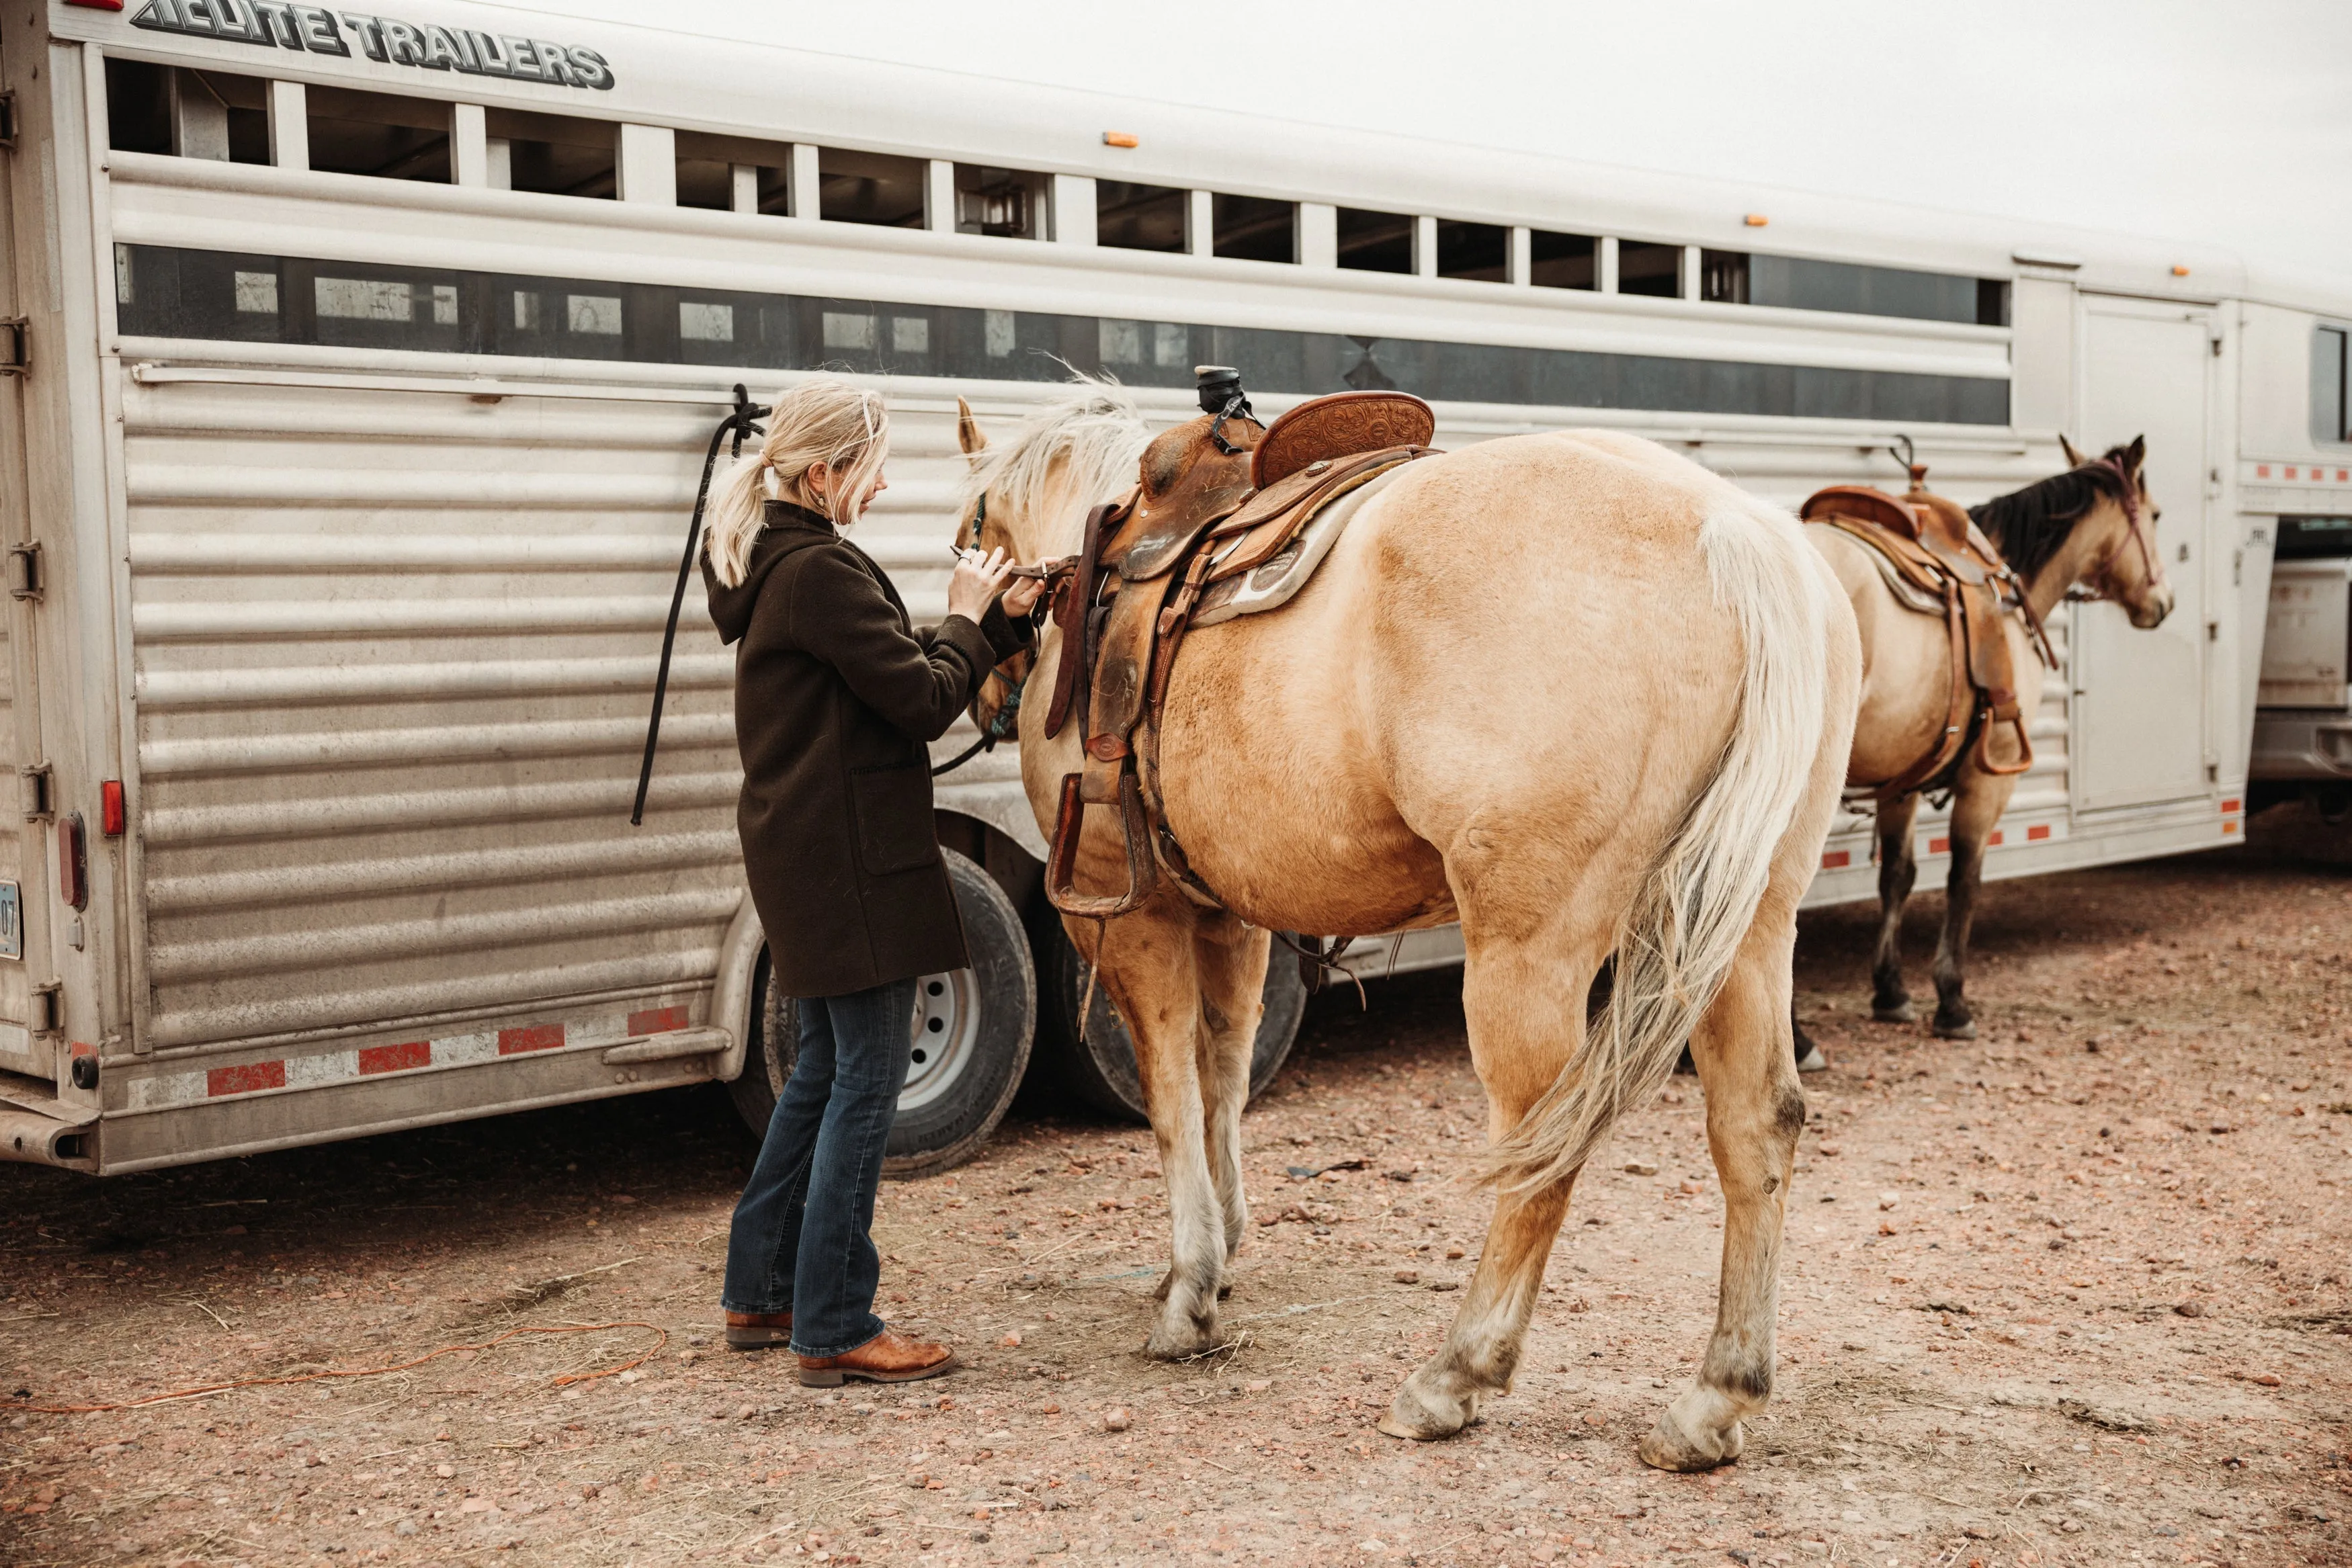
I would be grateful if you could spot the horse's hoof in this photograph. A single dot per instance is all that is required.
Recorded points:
(1902, 1012)
(1685, 1440)
(1423, 1415)
(1182, 1344)
(1960, 1029)
(1812, 1061)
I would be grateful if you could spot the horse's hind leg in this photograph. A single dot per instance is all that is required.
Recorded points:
(1754, 1112)
(1525, 1003)
(1898, 867)
(1147, 961)
(1232, 957)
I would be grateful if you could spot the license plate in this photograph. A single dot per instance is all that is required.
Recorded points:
(11, 927)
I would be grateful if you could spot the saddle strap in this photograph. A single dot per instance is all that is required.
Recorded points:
(1070, 610)
(1958, 712)
(1062, 858)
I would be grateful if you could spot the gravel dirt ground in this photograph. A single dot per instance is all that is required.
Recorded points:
(2074, 1292)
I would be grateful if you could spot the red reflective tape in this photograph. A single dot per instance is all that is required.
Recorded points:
(2262, 471)
(98, 4)
(396, 1058)
(2232, 805)
(244, 1079)
(1836, 860)
(531, 1037)
(2228, 828)
(657, 1020)
(82, 1048)
(1939, 846)
(1992, 841)
(2038, 832)
(2290, 472)
(2342, 475)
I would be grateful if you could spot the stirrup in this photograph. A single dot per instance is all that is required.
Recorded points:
(1061, 861)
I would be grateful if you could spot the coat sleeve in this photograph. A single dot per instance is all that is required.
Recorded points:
(917, 683)
(1005, 635)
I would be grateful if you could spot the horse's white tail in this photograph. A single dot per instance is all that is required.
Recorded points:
(1677, 940)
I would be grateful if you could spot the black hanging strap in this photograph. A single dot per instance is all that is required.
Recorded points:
(739, 421)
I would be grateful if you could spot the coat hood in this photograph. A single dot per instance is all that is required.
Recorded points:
(785, 530)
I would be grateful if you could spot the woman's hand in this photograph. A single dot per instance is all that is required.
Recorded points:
(977, 582)
(1022, 597)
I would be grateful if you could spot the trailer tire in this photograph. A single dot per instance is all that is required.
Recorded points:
(1097, 1066)
(973, 1027)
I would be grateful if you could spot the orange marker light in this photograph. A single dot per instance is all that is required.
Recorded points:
(1120, 138)
(1755, 220)
(2180, 272)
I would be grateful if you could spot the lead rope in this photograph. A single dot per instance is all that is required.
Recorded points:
(738, 420)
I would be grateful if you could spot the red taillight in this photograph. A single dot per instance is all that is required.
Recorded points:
(98, 4)
(111, 817)
(73, 862)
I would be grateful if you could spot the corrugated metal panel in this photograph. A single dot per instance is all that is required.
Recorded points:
(392, 653)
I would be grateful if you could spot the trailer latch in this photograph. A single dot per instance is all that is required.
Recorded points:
(25, 575)
(32, 790)
(16, 346)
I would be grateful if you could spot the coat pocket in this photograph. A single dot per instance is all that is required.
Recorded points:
(893, 810)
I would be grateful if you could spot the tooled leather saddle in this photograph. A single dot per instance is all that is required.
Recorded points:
(1933, 548)
(1147, 560)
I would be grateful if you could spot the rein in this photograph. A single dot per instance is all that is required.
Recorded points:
(1009, 713)
(740, 420)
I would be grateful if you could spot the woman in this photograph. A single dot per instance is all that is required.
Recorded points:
(836, 695)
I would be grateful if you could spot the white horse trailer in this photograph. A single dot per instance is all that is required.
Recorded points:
(358, 369)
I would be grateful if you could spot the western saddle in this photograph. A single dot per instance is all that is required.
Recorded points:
(1124, 604)
(1932, 547)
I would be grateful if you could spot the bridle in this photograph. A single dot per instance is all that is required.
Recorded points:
(2127, 498)
(1008, 713)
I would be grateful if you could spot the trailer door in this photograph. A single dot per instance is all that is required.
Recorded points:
(2141, 694)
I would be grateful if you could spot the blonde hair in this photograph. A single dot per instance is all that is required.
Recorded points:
(825, 420)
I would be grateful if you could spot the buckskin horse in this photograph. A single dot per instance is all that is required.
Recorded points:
(2090, 530)
(1571, 690)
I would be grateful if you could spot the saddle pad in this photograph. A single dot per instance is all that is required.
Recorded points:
(1272, 585)
(1907, 593)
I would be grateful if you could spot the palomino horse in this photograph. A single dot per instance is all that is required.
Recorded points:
(2092, 527)
(1571, 690)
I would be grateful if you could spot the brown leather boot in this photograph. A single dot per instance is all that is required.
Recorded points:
(758, 1330)
(889, 1357)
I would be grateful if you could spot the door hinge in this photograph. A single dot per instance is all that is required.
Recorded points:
(8, 120)
(33, 784)
(16, 346)
(49, 1008)
(26, 577)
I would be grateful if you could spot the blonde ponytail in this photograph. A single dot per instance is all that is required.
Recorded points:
(825, 420)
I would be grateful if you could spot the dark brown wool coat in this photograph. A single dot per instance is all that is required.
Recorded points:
(836, 695)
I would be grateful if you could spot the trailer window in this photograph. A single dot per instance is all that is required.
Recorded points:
(1644, 266)
(1009, 204)
(1132, 216)
(1722, 277)
(186, 113)
(2331, 384)
(1255, 228)
(555, 154)
(707, 173)
(378, 133)
(1801, 283)
(1992, 302)
(869, 188)
(1562, 261)
(1375, 242)
(1480, 252)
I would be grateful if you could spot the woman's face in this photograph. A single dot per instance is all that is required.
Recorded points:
(819, 480)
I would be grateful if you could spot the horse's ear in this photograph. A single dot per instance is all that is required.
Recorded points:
(968, 431)
(2134, 454)
(2074, 458)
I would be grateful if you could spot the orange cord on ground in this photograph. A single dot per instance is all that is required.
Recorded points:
(376, 1370)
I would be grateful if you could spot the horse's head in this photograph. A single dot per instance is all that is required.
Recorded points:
(2118, 534)
(1029, 496)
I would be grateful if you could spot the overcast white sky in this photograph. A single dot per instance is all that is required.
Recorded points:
(2229, 123)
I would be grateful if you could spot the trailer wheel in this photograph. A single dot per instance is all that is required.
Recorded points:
(1098, 1066)
(972, 1028)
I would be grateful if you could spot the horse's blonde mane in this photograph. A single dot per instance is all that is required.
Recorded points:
(1076, 452)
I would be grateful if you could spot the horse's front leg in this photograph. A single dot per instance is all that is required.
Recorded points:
(1897, 869)
(1233, 958)
(1977, 802)
(1147, 962)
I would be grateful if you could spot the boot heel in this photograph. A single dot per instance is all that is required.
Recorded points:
(820, 1377)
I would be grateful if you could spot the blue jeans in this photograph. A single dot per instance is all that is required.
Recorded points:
(801, 1241)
